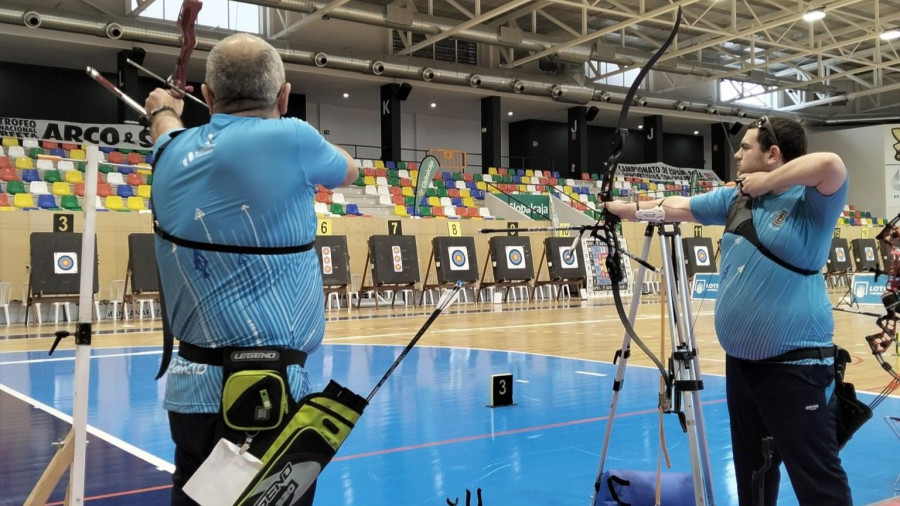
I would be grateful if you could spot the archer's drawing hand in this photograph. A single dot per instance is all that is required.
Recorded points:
(755, 184)
(161, 97)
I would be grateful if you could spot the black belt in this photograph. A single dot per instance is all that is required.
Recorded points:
(819, 352)
(216, 356)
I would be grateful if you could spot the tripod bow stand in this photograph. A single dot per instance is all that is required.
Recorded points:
(684, 365)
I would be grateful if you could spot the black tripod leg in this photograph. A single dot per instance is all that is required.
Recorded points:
(759, 476)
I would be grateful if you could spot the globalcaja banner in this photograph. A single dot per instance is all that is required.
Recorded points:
(116, 136)
(536, 207)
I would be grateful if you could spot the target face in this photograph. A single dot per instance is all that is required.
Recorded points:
(840, 254)
(327, 265)
(701, 255)
(515, 257)
(398, 258)
(568, 258)
(459, 258)
(65, 263)
(870, 253)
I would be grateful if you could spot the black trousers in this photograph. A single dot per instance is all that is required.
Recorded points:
(195, 436)
(788, 403)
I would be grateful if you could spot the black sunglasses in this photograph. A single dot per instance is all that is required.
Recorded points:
(764, 123)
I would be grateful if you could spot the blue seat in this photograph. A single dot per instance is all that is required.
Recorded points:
(149, 158)
(29, 175)
(411, 210)
(125, 169)
(107, 149)
(47, 202)
(353, 209)
(58, 152)
(125, 191)
(478, 194)
(391, 165)
(457, 202)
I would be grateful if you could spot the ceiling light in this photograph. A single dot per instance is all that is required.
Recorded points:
(433, 105)
(346, 95)
(510, 113)
(814, 15)
(696, 132)
(640, 127)
(890, 34)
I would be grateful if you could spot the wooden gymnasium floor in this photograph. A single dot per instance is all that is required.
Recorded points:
(427, 436)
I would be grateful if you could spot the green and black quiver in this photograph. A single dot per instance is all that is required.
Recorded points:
(305, 446)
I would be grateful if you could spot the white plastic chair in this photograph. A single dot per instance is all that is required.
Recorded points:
(117, 294)
(5, 289)
(36, 305)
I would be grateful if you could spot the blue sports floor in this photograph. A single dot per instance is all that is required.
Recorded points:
(427, 436)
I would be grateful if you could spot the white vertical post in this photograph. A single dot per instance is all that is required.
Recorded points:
(83, 332)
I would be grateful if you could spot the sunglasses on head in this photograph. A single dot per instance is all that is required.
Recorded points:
(764, 123)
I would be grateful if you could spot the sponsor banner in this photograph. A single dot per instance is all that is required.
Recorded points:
(866, 290)
(117, 136)
(705, 286)
(427, 168)
(536, 207)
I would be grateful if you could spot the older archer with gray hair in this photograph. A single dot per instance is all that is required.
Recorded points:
(244, 76)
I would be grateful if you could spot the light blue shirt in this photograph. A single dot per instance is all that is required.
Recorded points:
(764, 309)
(248, 182)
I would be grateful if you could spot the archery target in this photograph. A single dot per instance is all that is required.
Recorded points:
(459, 258)
(701, 255)
(327, 265)
(515, 257)
(65, 263)
(568, 259)
(870, 253)
(397, 256)
(841, 254)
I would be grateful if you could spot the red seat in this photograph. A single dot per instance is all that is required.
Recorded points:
(134, 158)
(4, 200)
(79, 189)
(395, 190)
(8, 174)
(104, 189)
(134, 179)
(50, 144)
(115, 157)
(4, 162)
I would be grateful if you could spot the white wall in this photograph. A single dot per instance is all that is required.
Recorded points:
(419, 132)
(862, 150)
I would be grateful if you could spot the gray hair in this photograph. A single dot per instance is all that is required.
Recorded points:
(244, 73)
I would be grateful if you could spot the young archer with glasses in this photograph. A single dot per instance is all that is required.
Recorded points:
(773, 317)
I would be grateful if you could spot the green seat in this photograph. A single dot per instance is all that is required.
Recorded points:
(34, 152)
(52, 176)
(70, 203)
(393, 180)
(424, 210)
(105, 168)
(409, 201)
(14, 187)
(442, 192)
(401, 165)
(81, 166)
(149, 179)
(337, 209)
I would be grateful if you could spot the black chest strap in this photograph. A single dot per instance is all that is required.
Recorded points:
(740, 222)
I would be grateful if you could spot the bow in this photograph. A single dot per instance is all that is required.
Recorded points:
(609, 223)
(880, 342)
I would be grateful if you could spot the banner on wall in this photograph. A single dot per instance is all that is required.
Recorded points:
(665, 172)
(117, 136)
(536, 207)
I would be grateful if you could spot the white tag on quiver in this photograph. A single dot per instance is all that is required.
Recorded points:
(223, 475)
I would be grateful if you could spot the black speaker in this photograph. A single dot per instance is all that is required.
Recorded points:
(735, 128)
(404, 91)
(591, 113)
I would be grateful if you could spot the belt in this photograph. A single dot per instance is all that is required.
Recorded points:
(819, 352)
(216, 356)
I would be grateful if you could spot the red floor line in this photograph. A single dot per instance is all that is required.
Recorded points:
(116, 494)
(498, 434)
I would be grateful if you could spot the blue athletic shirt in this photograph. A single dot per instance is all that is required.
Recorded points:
(249, 182)
(764, 309)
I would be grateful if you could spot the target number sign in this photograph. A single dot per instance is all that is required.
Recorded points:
(501, 390)
(454, 228)
(564, 233)
(324, 227)
(63, 222)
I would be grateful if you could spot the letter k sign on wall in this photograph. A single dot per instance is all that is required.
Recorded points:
(385, 108)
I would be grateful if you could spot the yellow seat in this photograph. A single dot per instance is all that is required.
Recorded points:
(525, 179)
(60, 188)
(144, 191)
(136, 204)
(9, 141)
(23, 200)
(74, 176)
(369, 180)
(492, 170)
(115, 203)
(468, 202)
(465, 192)
(529, 172)
(23, 162)
(400, 211)
(434, 202)
(77, 154)
(481, 185)
(407, 191)
(378, 164)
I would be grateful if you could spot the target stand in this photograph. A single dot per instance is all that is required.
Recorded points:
(454, 261)
(563, 266)
(510, 258)
(141, 276)
(54, 276)
(334, 261)
(394, 263)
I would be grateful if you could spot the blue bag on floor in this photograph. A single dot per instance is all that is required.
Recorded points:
(638, 488)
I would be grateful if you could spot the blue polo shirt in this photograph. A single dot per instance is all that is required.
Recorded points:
(763, 309)
(249, 182)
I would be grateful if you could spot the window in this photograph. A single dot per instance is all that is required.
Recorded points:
(450, 49)
(594, 69)
(229, 15)
(751, 94)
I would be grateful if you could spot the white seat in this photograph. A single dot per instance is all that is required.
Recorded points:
(484, 212)
(383, 190)
(338, 198)
(370, 190)
(321, 208)
(64, 165)
(66, 312)
(30, 143)
(116, 295)
(115, 178)
(5, 289)
(37, 305)
(15, 152)
(38, 188)
(44, 164)
(403, 173)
